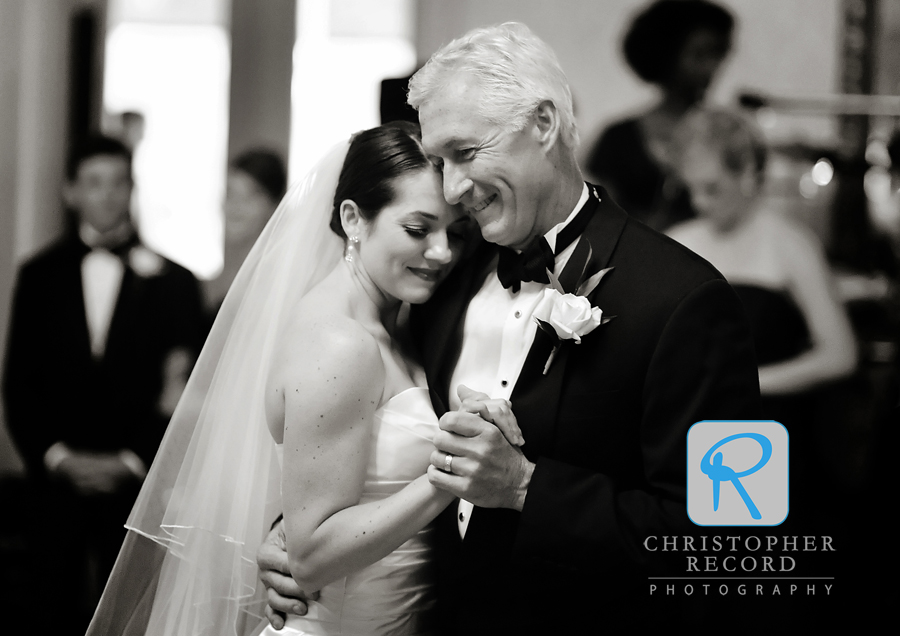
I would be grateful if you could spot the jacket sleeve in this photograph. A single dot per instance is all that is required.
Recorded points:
(703, 367)
(181, 322)
(24, 379)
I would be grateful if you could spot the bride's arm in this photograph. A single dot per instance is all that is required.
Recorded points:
(332, 386)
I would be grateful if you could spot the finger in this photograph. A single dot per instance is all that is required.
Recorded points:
(458, 445)
(283, 585)
(439, 461)
(462, 423)
(498, 412)
(445, 481)
(276, 619)
(271, 555)
(285, 604)
(465, 393)
(510, 429)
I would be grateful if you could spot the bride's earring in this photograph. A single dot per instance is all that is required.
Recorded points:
(352, 248)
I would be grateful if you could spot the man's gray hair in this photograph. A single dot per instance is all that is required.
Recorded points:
(515, 69)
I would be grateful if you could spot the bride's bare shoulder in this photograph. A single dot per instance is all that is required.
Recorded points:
(323, 359)
(327, 336)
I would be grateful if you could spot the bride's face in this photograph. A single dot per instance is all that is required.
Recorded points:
(414, 242)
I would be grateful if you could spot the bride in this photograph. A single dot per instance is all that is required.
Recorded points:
(308, 363)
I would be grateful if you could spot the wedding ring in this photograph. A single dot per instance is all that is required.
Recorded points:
(448, 461)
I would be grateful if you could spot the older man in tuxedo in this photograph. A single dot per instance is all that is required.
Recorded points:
(549, 538)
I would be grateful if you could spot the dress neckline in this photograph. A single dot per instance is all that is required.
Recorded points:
(403, 392)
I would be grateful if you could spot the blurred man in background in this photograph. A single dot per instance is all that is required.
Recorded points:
(97, 319)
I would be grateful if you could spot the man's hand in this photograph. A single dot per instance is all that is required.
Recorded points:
(283, 593)
(486, 469)
(497, 411)
(94, 473)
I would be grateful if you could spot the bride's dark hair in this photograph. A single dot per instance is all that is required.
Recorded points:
(375, 159)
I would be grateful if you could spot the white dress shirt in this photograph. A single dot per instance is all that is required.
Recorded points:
(101, 278)
(497, 335)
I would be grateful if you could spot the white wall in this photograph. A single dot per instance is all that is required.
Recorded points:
(34, 72)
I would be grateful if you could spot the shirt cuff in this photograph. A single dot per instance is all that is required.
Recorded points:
(134, 463)
(56, 455)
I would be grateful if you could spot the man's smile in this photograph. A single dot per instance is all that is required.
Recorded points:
(475, 209)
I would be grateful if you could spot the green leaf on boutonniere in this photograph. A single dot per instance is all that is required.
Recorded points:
(591, 283)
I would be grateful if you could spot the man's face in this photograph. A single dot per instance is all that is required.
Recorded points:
(101, 191)
(497, 175)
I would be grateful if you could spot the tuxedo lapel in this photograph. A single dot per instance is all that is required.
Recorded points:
(121, 322)
(603, 232)
(70, 293)
(536, 395)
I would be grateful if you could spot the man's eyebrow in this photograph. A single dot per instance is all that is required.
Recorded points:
(453, 141)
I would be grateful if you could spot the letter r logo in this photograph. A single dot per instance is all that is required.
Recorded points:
(737, 473)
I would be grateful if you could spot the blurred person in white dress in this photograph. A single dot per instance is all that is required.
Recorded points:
(722, 159)
(803, 338)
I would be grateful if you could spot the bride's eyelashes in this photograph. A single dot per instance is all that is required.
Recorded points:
(416, 231)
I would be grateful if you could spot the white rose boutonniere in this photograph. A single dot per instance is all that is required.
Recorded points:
(570, 316)
(566, 316)
(144, 262)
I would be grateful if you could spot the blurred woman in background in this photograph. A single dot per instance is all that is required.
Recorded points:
(257, 181)
(803, 338)
(676, 45)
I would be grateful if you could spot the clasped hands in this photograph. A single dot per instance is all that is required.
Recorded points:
(92, 473)
(487, 469)
(482, 438)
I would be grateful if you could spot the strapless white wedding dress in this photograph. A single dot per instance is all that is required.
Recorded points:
(396, 594)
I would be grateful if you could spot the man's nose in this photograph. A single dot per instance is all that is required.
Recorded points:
(456, 184)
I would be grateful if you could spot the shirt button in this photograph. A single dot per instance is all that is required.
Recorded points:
(503, 383)
(518, 314)
(462, 518)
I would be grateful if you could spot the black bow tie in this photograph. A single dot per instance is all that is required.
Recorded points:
(532, 263)
(120, 247)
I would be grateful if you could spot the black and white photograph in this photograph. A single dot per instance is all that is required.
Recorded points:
(448, 317)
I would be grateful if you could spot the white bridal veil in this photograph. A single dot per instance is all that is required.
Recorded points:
(188, 564)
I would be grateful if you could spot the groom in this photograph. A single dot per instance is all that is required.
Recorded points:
(549, 538)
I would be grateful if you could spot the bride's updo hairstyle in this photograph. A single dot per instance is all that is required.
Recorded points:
(375, 159)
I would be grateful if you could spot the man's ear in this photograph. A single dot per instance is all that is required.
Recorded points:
(546, 123)
(351, 218)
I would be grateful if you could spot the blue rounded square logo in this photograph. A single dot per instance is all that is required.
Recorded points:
(737, 473)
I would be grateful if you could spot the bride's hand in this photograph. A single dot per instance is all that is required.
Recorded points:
(494, 410)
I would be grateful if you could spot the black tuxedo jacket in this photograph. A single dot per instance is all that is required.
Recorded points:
(55, 390)
(606, 427)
